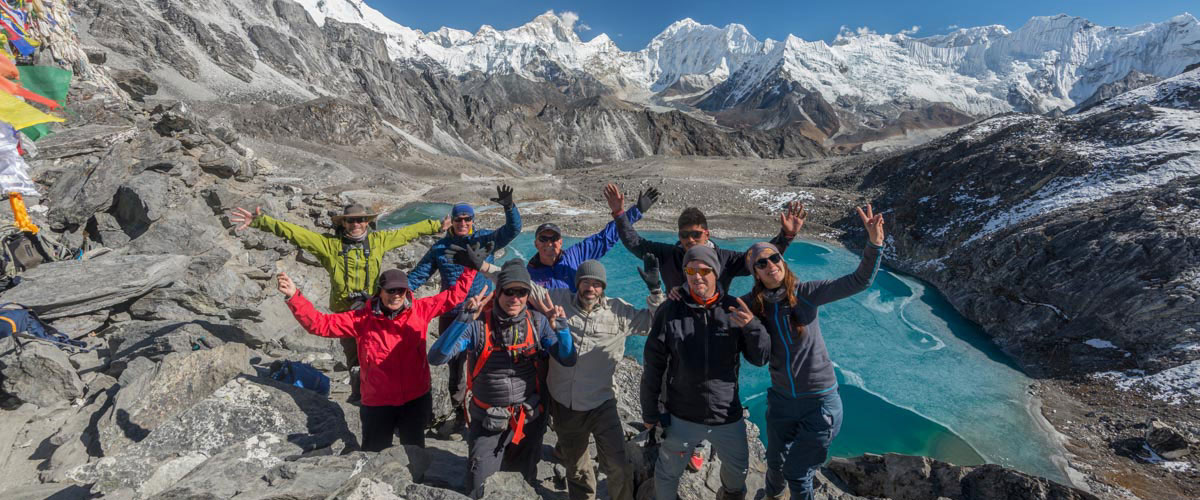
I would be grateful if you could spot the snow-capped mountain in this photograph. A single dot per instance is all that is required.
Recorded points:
(1049, 63)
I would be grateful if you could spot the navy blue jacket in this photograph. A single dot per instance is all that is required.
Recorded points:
(562, 273)
(435, 259)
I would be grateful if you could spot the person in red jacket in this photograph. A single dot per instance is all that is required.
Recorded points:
(390, 333)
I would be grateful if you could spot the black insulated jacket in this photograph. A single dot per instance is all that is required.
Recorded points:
(697, 352)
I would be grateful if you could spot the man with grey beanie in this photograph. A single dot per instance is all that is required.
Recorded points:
(694, 345)
(583, 403)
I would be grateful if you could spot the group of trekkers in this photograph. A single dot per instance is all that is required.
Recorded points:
(536, 344)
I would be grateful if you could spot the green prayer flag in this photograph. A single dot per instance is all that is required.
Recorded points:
(50, 82)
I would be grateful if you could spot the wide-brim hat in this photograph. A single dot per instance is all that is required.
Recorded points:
(355, 210)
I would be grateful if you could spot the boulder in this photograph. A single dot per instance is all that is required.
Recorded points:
(83, 140)
(39, 373)
(234, 423)
(134, 82)
(77, 287)
(1165, 440)
(505, 486)
(903, 477)
(149, 397)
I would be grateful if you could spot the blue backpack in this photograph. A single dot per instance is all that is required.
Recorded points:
(300, 375)
(20, 322)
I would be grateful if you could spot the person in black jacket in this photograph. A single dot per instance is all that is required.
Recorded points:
(693, 231)
(695, 345)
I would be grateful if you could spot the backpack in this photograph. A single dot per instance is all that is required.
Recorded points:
(301, 375)
(20, 322)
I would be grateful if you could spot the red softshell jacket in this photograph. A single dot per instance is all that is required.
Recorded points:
(391, 352)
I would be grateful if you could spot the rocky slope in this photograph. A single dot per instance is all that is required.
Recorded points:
(172, 399)
(276, 73)
(437, 91)
(1074, 243)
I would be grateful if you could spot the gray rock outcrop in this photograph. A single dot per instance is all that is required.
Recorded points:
(38, 373)
(76, 287)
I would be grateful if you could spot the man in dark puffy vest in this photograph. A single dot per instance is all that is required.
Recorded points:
(507, 345)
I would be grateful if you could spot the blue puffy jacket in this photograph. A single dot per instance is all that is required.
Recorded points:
(562, 273)
(435, 259)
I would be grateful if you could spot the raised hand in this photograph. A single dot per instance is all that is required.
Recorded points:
(504, 196)
(741, 315)
(445, 224)
(243, 217)
(874, 224)
(792, 218)
(650, 272)
(647, 199)
(286, 286)
(475, 304)
(616, 200)
(473, 256)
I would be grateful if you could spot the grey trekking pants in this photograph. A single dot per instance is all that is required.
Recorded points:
(728, 440)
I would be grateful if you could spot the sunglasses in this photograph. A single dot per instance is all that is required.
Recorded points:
(515, 292)
(357, 220)
(690, 235)
(762, 263)
(463, 219)
(395, 291)
(549, 239)
(702, 271)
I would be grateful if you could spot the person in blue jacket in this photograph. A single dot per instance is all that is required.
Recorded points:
(462, 233)
(554, 267)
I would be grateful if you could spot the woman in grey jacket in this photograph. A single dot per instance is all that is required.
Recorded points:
(804, 410)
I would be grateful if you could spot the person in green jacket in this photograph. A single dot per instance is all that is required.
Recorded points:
(353, 256)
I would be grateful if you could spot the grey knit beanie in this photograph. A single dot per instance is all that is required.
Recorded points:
(591, 269)
(512, 272)
(705, 254)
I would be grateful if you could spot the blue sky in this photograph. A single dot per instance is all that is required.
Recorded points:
(632, 24)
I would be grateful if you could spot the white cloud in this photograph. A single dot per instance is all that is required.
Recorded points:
(952, 27)
(583, 27)
(845, 32)
(569, 17)
(911, 31)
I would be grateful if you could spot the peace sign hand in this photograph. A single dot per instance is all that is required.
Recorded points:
(243, 217)
(741, 315)
(475, 304)
(874, 224)
(555, 313)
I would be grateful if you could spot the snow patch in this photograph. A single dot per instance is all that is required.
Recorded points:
(1100, 344)
(775, 202)
(1173, 385)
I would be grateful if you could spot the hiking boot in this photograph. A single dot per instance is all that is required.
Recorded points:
(783, 495)
(455, 425)
(696, 462)
(724, 494)
(355, 395)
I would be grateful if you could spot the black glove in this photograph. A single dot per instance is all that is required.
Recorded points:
(650, 272)
(504, 196)
(473, 256)
(647, 199)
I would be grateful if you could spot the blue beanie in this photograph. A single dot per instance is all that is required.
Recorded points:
(462, 209)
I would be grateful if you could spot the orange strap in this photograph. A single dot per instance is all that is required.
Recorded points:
(487, 348)
(517, 412)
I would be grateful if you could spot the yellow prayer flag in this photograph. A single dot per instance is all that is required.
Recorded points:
(17, 113)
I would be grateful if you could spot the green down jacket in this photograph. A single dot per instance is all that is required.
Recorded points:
(350, 272)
